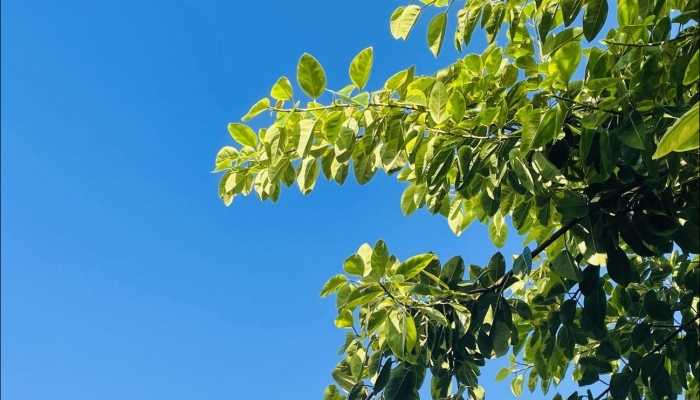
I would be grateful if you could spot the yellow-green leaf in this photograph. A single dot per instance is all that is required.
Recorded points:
(692, 70)
(361, 67)
(224, 158)
(456, 106)
(262, 105)
(502, 374)
(242, 134)
(436, 32)
(402, 21)
(414, 265)
(282, 89)
(549, 127)
(437, 103)
(682, 135)
(516, 386)
(498, 230)
(565, 60)
(306, 179)
(333, 284)
(311, 76)
(344, 319)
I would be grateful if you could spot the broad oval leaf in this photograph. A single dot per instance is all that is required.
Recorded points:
(693, 69)
(361, 67)
(311, 76)
(282, 89)
(594, 18)
(436, 32)
(242, 134)
(456, 106)
(414, 265)
(549, 127)
(683, 135)
(402, 384)
(257, 108)
(402, 21)
(333, 284)
(437, 103)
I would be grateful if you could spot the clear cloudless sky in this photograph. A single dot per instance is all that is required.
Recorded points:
(123, 275)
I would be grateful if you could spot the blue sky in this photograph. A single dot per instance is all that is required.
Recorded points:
(123, 276)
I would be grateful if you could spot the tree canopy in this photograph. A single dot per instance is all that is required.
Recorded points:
(585, 142)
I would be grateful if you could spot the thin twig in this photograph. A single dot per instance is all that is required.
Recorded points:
(591, 106)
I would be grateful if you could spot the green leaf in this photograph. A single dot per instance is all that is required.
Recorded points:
(344, 319)
(496, 267)
(503, 374)
(682, 135)
(456, 106)
(657, 309)
(306, 127)
(500, 333)
(408, 204)
(620, 384)
(414, 265)
(566, 60)
(332, 393)
(436, 32)
(257, 108)
(436, 316)
(402, 383)
(333, 284)
(225, 158)
(361, 67)
(619, 266)
(311, 76)
(401, 333)
(437, 103)
(440, 386)
(549, 127)
(354, 265)
(516, 386)
(693, 69)
(467, 18)
(570, 9)
(564, 266)
(452, 271)
(402, 21)
(306, 179)
(242, 134)
(594, 18)
(282, 89)
(498, 230)
(383, 377)
(379, 259)
(556, 41)
(627, 11)
(363, 296)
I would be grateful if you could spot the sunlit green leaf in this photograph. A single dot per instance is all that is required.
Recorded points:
(311, 76)
(683, 135)
(436, 32)
(402, 20)
(361, 67)
(242, 134)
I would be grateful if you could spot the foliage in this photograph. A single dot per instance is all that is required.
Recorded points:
(601, 172)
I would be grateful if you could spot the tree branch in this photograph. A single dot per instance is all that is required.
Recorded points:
(591, 106)
(343, 105)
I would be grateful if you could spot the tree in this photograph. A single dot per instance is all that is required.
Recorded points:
(600, 172)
